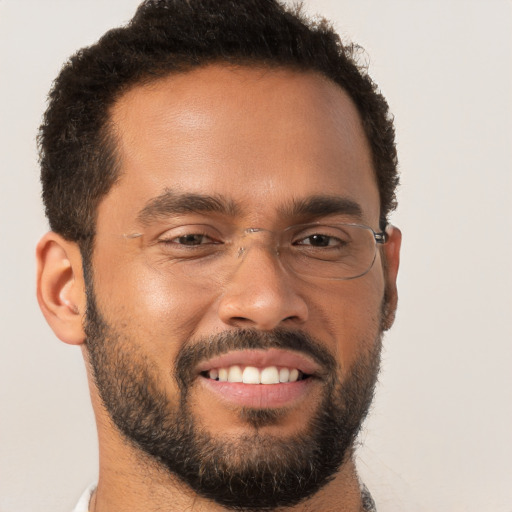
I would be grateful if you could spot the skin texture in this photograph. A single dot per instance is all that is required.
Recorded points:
(261, 139)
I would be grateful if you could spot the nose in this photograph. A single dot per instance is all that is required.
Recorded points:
(261, 294)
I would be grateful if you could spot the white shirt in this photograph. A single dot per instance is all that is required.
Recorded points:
(83, 502)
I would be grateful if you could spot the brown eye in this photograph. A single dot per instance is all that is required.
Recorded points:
(318, 240)
(193, 239)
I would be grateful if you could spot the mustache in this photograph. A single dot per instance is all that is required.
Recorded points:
(190, 355)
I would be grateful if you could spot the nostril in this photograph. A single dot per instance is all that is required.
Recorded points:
(240, 319)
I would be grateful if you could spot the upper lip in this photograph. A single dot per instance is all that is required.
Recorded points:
(261, 359)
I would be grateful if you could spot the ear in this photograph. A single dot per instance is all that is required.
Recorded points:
(391, 253)
(60, 287)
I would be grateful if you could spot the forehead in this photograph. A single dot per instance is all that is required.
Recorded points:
(256, 136)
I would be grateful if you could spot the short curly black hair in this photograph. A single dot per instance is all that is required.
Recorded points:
(77, 149)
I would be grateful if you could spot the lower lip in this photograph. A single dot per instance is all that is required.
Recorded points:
(259, 396)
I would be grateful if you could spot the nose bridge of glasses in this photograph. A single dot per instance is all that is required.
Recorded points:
(257, 237)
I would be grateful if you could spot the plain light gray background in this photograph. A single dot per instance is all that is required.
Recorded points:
(439, 437)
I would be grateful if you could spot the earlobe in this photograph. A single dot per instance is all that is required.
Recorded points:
(60, 287)
(391, 263)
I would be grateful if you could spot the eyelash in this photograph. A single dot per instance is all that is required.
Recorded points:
(191, 235)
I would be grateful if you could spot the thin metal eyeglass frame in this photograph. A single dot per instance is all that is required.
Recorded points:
(380, 238)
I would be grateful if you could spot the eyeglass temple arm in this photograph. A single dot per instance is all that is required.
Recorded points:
(381, 238)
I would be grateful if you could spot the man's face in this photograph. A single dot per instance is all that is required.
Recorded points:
(205, 154)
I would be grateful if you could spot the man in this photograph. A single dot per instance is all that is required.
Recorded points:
(218, 177)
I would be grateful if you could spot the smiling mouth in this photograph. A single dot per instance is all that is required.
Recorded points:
(271, 366)
(271, 378)
(253, 375)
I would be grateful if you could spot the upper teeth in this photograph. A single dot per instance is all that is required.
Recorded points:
(253, 375)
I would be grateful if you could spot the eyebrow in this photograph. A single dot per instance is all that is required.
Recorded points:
(170, 203)
(320, 205)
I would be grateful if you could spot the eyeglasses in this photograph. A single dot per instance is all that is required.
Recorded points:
(322, 251)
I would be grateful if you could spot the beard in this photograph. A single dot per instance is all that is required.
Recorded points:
(254, 471)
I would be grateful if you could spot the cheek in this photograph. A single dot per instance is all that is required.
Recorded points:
(151, 308)
(176, 306)
(353, 315)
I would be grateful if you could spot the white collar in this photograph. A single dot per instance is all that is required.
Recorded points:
(83, 502)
